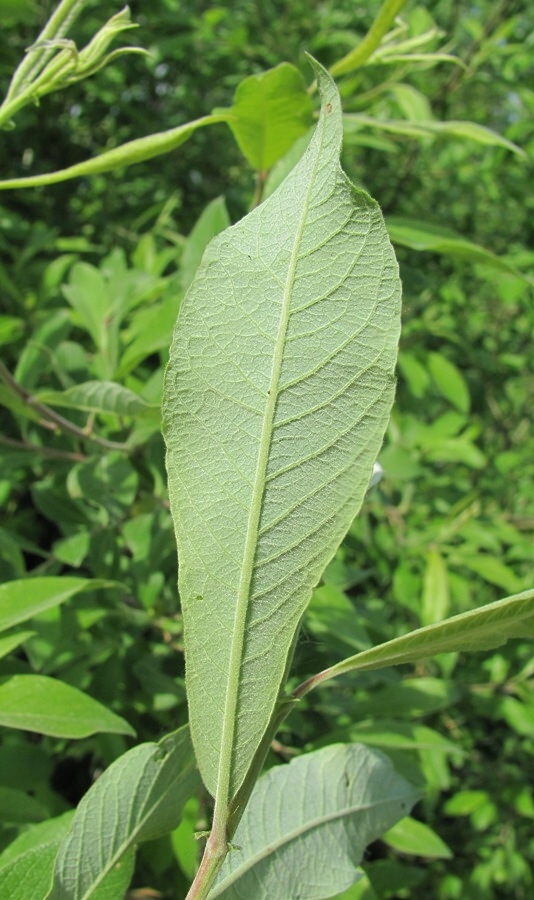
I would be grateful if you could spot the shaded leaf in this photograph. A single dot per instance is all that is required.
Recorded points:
(18, 808)
(308, 823)
(47, 706)
(139, 798)
(277, 395)
(101, 397)
(434, 239)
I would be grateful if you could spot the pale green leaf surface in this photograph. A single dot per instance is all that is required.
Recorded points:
(308, 823)
(270, 111)
(127, 154)
(47, 706)
(213, 219)
(139, 798)
(101, 397)
(27, 597)
(479, 629)
(278, 392)
(28, 877)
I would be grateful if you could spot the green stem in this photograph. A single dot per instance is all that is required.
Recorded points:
(261, 178)
(212, 860)
(49, 452)
(357, 57)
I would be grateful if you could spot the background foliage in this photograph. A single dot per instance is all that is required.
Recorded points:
(91, 276)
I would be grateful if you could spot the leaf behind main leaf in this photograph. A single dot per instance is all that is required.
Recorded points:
(484, 628)
(277, 395)
(308, 823)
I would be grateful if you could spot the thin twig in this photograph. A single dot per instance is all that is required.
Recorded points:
(50, 452)
(52, 416)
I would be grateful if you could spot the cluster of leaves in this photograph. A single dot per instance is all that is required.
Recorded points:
(85, 335)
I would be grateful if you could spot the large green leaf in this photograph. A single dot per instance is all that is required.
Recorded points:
(139, 798)
(479, 629)
(42, 704)
(307, 825)
(277, 395)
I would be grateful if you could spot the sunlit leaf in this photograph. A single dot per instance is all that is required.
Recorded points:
(479, 629)
(270, 111)
(278, 392)
(48, 706)
(27, 597)
(415, 838)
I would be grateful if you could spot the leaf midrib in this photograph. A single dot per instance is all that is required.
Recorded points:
(258, 490)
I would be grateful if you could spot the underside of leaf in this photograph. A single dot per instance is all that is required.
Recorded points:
(278, 392)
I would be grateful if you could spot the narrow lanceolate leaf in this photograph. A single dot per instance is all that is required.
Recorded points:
(427, 237)
(277, 395)
(307, 825)
(479, 629)
(101, 397)
(24, 598)
(139, 798)
(48, 706)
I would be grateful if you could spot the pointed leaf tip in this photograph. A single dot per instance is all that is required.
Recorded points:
(277, 396)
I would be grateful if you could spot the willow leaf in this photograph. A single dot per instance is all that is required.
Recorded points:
(308, 823)
(277, 395)
(484, 628)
